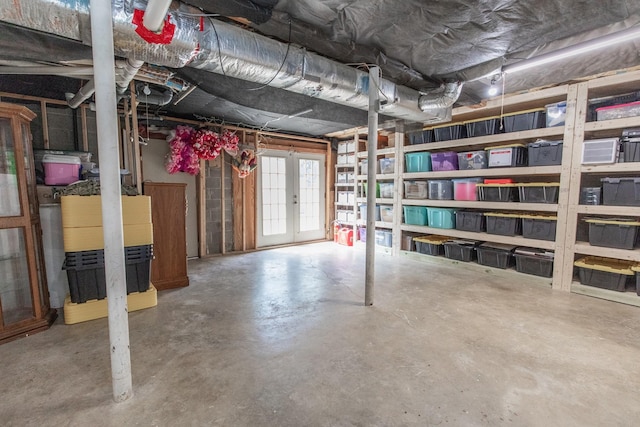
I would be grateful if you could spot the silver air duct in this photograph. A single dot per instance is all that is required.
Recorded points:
(225, 49)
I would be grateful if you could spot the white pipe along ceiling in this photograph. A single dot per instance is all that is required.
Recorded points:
(218, 47)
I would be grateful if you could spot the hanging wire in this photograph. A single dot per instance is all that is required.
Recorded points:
(284, 60)
(504, 78)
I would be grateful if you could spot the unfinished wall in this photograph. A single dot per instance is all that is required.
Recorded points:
(214, 191)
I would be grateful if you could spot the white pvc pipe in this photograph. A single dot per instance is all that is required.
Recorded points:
(155, 14)
(107, 126)
(83, 94)
(372, 141)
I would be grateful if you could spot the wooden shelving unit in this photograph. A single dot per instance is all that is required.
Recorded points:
(570, 173)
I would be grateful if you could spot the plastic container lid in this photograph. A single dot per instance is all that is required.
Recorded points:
(614, 221)
(481, 119)
(538, 184)
(503, 214)
(541, 217)
(608, 265)
(541, 253)
(60, 158)
(448, 125)
(498, 181)
(500, 246)
(615, 107)
(497, 147)
(496, 184)
(544, 143)
(433, 239)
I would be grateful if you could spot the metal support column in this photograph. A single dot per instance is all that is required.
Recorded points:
(372, 141)
(107, 126)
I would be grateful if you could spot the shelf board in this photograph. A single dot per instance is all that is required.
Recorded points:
(346, 166)
(379, 224)
(379, 177)
(342, 184)
(630, 298)
(585, 248)
(510, 206)
(380, 152)
(616, 167)
(520, 171)
(628, 122)
(486, 237)
(488, 140)
(609, 210)
(378, 200)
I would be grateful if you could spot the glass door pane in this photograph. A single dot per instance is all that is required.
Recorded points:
(9, 193)
(309, 194)
(274, 195)
(15, 289)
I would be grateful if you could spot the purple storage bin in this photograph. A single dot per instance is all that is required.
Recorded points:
(447, 161)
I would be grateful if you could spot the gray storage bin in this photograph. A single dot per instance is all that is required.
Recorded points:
(621, 191)
(472, 160)
(545, 153)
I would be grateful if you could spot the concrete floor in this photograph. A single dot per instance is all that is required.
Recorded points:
(280, 338)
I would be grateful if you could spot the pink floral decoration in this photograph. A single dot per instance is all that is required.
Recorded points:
(189, 146)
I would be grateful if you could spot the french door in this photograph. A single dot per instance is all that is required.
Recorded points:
(291, 197)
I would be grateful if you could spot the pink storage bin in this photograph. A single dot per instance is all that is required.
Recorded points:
(446, 161)
(465, 189)
(60, 169)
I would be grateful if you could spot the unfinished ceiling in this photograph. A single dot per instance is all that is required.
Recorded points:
(418, 45)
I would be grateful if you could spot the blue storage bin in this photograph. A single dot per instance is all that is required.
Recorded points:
(418, 162)
(415, 215)
(441, 217)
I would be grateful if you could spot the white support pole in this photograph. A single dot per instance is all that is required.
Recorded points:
(107, 126)
(372, 141)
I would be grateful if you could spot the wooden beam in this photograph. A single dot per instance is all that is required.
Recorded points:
(136, 145)
(250, 227)
(330, 173)
(201, 182)
(45, 124)
(85, 129)
(223, 207)
(129, 140)
(244, 214)
(237, 212)
(32, 98)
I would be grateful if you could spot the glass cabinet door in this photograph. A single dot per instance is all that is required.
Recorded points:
(9, 190)
(15, 287)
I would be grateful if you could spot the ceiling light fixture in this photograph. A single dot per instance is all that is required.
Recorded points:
(577, 49)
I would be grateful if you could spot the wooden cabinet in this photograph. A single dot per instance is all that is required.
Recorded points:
(24, 297)
(168, 214)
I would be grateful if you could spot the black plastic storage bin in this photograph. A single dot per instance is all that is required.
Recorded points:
(497, 192)
(503, 224)
(138, 267)
(470, 221)
(605, 273)
(430, 245)
(631, 145)
(539, 192)
(545, 153)
(621, 191)
(448, 133)
(613, 232)
(421, 137)
(496, 255)
(636, 270)
(461, 250)
(525, 120)
(540, 227)
(507, 156)
(86, 275)
(482, 127)
(534, 261)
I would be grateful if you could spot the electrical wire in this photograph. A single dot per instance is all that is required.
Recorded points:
(284, 60)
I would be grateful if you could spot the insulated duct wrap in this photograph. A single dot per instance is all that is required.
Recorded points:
(222, 48)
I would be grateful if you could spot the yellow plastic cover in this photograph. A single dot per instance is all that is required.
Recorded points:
(92, 238)
(540, 217)
(86, 211)
(612, 221)
(481, 119)
(608, 265)
(433, 239)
